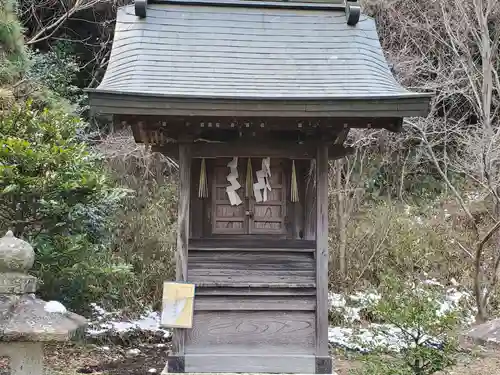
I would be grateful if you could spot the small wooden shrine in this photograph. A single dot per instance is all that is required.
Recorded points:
(253, 99)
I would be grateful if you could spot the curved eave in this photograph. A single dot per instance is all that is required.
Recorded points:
(194, 58)
(126, 103)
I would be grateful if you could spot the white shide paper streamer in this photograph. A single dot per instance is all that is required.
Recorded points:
(263, 178)
(232, 178)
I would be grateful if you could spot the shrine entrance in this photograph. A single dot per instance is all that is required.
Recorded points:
(251, 214)
(253, 99)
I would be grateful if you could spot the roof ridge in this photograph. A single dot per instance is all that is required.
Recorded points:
(351, 8)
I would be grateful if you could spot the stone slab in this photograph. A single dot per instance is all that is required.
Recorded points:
(486, 333)
(24, 318)
(17, 283)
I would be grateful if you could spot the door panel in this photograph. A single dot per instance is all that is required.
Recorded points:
(227, 219)
(269, 217)
(250, 217)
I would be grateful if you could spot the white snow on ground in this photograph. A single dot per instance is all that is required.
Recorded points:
(359, 339)
(364, 339)
(384, 336)
(107, 322)
(55, 307)
(336, 300)
(360, 300)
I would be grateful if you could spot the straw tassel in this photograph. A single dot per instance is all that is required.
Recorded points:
(203, 189)
(249, 180)
(294, 190)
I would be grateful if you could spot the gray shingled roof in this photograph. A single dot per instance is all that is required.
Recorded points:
(250, 53)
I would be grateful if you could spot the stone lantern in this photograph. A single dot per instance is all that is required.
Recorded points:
(27, 322)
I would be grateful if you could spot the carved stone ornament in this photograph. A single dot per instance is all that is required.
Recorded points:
(141, 8)
(16, 255)
(26, 321)
(352, 12)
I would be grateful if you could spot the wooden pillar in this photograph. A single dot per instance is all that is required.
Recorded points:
(196, 204)
(183, 211)
(310, 202)
(323, 360)
(176, 364)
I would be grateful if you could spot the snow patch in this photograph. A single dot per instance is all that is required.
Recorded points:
(361, 300)
(387, 336)
(336, 300)
(377, 336)
(109, 322)
(55, 307)
(132, 352)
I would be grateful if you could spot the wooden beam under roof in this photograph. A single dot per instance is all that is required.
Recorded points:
(288, 150)
(160, 131)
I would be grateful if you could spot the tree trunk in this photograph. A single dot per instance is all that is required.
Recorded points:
(482, 313)
(341, 218)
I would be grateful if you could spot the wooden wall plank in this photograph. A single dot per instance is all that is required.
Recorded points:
(255, 303)
(250, 242)
(269, 280)
(182, 231)
(296, 284)
(256, 249)
(255, 292)
(322, 254)
(244, 363)
(241, 332)
(250, 257)
(250, 266)
(250, 272)
(213, 265)
(250, 148)
(171, 150)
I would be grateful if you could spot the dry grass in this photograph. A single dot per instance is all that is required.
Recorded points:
(385, 237)
(146, 225)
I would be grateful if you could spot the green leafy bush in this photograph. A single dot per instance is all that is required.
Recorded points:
(425, 330)
(13, 57)
(76, 271)
(53, 77)
(54, 193)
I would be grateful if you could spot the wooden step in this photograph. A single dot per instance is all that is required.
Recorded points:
(256, 289)
(249, 257)
(251, 245)
(255, 249)
(255, 303)
(244, 363)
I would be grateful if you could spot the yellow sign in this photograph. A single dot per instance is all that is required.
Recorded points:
(178, 302)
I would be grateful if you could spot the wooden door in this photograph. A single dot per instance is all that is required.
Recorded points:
(227, 219)
(269, 217)
(250, 217)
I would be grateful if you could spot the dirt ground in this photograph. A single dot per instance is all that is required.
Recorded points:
(73, 358)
